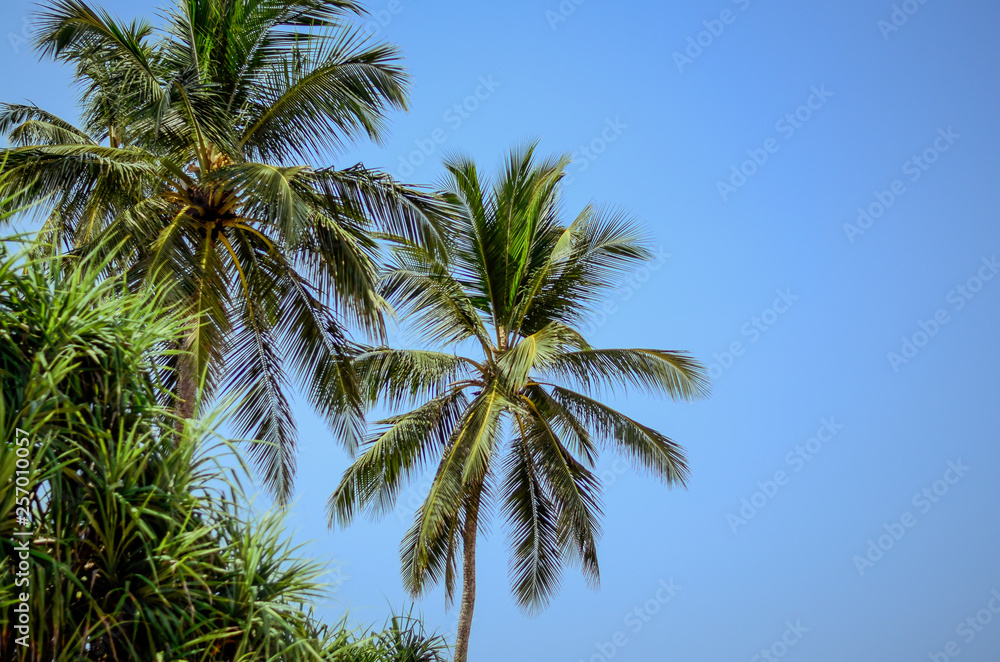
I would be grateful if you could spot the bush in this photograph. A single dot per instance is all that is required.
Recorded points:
(138, 547)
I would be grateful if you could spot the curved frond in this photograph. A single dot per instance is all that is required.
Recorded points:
(254, 370)
(675, 374)
(78, 175)
(537, 352)
(461, 472)
(395, 377)
(400, 450)
(73, 31)
(320, 94)
(535, 563)
(604, 246)
(423, 289)
(574, 432)
(397, 211)
(574, 489)
(25, 124)
(647, 448)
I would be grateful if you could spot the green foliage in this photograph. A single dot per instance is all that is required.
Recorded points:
(401, 639)
(189, 165)
(519, 426)
(138, 549)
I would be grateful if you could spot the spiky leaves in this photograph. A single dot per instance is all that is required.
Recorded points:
(138, 550)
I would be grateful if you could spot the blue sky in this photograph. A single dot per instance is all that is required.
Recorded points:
(748, 156)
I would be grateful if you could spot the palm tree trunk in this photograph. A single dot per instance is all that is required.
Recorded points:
(187, 387)
(468, 581)
(187, 363)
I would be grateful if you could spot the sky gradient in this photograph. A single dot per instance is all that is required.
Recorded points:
(821, 179)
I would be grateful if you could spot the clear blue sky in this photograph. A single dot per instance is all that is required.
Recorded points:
(799, 567)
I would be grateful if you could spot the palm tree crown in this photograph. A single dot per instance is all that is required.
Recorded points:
(191, 154)
(519, 425)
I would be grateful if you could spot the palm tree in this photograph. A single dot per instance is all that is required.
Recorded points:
(519, 426)
(192, 153)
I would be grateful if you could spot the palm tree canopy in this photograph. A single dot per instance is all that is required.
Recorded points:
(192, 151)
(520, 425)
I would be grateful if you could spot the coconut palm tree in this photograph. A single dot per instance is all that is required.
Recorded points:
(513, 422)
(193, 152)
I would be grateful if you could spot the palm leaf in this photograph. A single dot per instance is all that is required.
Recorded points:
(675, 374)
(647, 448)
(400, 450)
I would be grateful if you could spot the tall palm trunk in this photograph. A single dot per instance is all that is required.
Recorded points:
(468, 581)
(187, 364)
(187, 386)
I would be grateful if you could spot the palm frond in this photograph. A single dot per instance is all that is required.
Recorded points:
(395, 377)
(321, 94)
(574, 489)
(421, 288)
(26, 124)
(428, 548)
(605, 244)
(647, 448)
(532, 517)
(675, 374)
(537, 353)
(400, 450)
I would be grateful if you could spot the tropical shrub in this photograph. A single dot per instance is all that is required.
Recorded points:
(138, 547)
